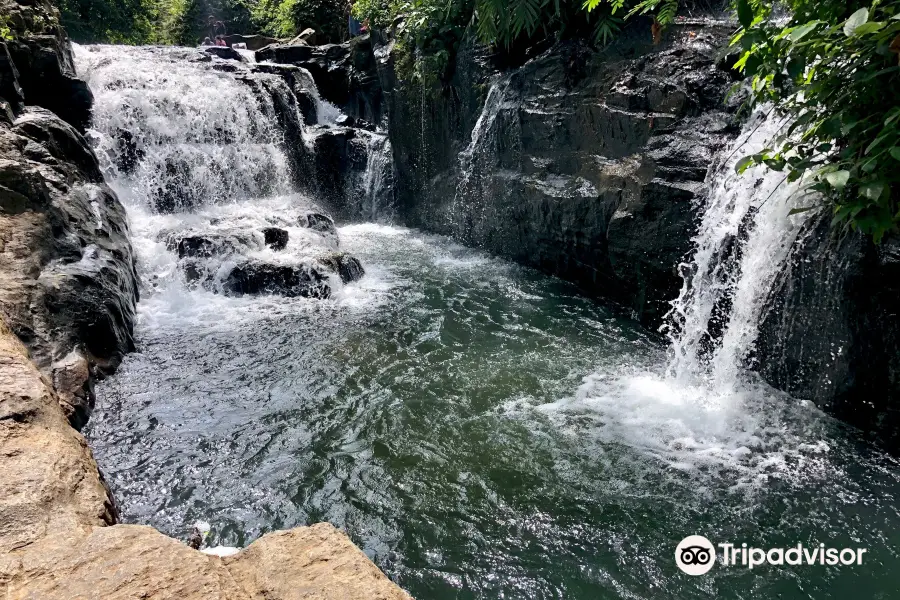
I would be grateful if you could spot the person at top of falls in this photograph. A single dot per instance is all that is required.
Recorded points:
(207, 42)
(356, 28)
(216, 28)
(220, 41)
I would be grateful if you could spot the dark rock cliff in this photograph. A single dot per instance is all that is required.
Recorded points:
(587, 165)
(67, 275)
(833, 330)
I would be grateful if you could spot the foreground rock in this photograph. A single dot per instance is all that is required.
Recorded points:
(315, 562)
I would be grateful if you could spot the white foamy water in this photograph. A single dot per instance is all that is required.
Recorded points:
(195, 152)
(704, 411)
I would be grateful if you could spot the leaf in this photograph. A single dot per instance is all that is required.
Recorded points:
(869, 27)
(801, 209)
(895, 152)
(838, 179)
(872, 190)
(855, 20)
(801, 32)
(745, 13)
(877, 141)
(744, 164)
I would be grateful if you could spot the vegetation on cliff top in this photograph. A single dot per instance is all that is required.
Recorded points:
(833, 71)
(185, 22)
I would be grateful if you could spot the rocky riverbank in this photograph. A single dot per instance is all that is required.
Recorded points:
(68, 290)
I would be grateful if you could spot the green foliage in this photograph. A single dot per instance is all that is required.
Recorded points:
(5, 29)
(117, 21)
(504, 22)
(287, 18)
(185, 22)
(833, 71)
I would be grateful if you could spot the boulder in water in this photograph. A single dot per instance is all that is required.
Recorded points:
(205, 246)
(257, 278)
(345, 121)
(253, 42)
(317, 222)
(275, 237)
(306, 38)
(226, 52)
(346, 266)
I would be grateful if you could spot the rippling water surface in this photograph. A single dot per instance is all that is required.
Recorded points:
(438, 411)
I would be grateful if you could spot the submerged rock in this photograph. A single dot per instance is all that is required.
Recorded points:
(318, 222)
(205, 246)
(275, 238)
(346, 266)
(256, 278)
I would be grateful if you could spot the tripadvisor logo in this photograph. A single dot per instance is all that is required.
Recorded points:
(695, 555)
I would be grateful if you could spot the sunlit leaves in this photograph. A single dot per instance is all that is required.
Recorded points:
(834, 78)
(798, 33)
(838, 179)
(855, 21)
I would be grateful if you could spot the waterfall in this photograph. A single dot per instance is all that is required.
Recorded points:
(743, 241)
(174, 133)
(477, 158)
(702, 410)
(376, 187)
(209, 156)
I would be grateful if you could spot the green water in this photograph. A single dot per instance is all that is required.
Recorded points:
(480, 431)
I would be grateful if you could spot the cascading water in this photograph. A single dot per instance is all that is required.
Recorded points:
(743, 241)
(175, 133)
(376, 186)
(195, 148)
(428, 408)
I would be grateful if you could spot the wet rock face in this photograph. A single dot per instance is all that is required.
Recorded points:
(318, 222)
(282, 280)
(42, 56)
(67, 262)
(275, 238)
(344, 73)
(340, 157)
(586, 165)
(831, 334)
(347, 267)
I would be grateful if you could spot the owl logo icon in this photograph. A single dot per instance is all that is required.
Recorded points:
(695, 555)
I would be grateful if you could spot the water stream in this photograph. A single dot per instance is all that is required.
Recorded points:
(479, 429)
